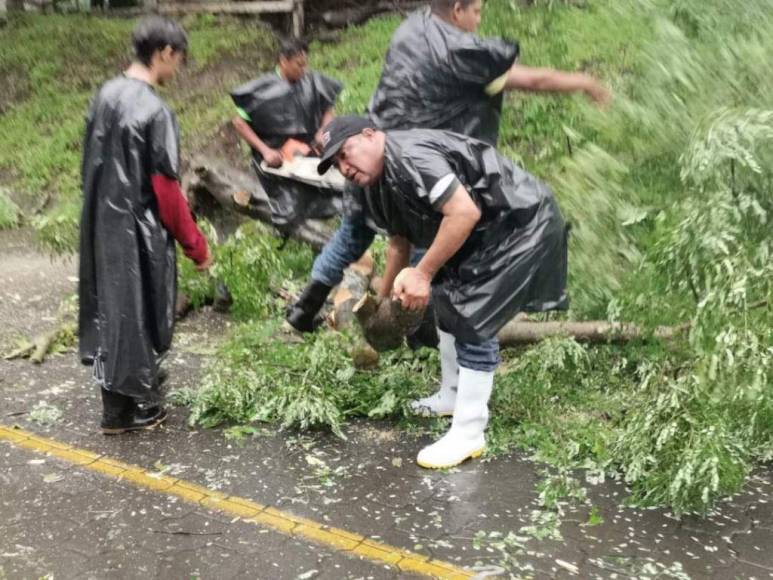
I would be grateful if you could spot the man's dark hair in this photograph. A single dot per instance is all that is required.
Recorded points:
(444, 7)
(291, 47)
(154, 33)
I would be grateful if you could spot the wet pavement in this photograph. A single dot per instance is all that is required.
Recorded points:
(65, 521)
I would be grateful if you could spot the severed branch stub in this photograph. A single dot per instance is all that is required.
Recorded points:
(385, 323)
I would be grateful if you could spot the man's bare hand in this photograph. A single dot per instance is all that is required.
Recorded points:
(207, 263)
(412, 288)
(273, 158)
(598, 93)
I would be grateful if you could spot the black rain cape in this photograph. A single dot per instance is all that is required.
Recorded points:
(128, 275)
(435, 76)
(516, 258)
(279, 111)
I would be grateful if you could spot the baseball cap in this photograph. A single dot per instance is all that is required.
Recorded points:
(334, 135)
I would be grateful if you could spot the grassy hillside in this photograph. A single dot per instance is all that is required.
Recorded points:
(51, 66)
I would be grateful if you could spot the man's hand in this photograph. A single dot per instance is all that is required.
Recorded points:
(273, 158)
(412, 288)
(207, 263)
(293, 147)
(316, 144)
(598, 93)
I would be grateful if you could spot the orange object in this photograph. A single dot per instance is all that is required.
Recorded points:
(293, 147)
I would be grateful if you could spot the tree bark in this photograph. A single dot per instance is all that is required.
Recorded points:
(385, 323)
(212, 184)
(519, 332)
(351, 289)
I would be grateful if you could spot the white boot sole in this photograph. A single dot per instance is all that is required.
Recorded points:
(473, 455)
(428, 413)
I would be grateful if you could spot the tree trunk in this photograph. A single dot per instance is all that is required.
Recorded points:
(599, 331)
(386, 323)
(227, 196)
(344, 17)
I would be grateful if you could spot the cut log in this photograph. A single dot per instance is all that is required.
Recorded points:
(227, 196)
(352, 288)
(385, 323)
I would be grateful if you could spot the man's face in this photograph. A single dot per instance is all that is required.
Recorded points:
(361, 158)
(168, 63)
(468, 19)
(294, 67)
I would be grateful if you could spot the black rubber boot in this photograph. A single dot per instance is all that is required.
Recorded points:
(148, 416)
(117, 412)
(302, 315)
(122, 414)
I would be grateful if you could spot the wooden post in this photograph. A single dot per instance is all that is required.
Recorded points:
(298, 24)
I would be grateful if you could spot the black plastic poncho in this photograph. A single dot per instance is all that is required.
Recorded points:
(435, 76)
(278, 111)
(516, 258)
(128, 272)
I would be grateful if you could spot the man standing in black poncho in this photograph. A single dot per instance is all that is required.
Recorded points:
(497, 245)
(133, 211)
(280, 115)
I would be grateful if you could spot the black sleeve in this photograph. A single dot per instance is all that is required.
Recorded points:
(477, 61)
(164, 139)
(434, 178)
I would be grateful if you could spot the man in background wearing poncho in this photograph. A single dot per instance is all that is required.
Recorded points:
(280, 115)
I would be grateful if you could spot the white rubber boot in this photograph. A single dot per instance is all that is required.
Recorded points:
(465, 439)
(442, 403)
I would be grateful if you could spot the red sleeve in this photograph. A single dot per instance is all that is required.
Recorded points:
(176, 217)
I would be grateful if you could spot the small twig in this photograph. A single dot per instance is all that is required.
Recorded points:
(187, 533)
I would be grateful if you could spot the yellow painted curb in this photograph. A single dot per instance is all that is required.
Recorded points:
(265, 516)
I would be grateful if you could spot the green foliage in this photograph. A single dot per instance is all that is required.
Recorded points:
(10, 214)
(669, 196)
(250, 266)
(55, 63)
(199, 287)
(259, 377)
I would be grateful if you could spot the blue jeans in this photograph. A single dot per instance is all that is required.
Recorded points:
(348, 245)
(478, 357)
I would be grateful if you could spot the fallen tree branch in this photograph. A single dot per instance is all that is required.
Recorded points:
(41, 345)
(519, 332)
(227, 196)
(385, 323)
